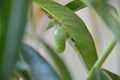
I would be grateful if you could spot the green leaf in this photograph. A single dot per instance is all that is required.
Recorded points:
(75, 5)
(0, 38)
(99, 75)
(75, 28)
(4, 17)
(106, 12)
(15, 30)
(111, 75)
(39, 67)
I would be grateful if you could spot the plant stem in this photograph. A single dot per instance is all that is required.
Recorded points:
(102, 58)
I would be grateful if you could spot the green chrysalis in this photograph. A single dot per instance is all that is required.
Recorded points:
(60, 38)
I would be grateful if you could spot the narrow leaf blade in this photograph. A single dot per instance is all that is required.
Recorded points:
(15, 28)
(4, 17)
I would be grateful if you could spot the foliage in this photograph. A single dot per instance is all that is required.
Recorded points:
(24, 61)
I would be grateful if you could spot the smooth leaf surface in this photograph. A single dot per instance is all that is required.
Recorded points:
(75, 28)
(75, 5)
(4, 13)
(15, 30)
(112, 75)
(4, 17)
(39, 67)
(106, 13)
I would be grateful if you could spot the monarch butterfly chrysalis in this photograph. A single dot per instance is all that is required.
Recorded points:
(60, 38)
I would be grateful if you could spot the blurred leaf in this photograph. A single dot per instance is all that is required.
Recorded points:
(106, 13)
(99, 75)
(75, 28)
(50, 25)
(4, 17)
(39, 67)
(75, 5)
(15, 30)
(22, 69)
(3, 28)
(111, 75)
(57, 60)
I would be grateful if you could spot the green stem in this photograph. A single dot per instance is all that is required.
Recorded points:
(102, 58)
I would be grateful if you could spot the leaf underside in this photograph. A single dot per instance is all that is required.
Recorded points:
(75, 29)
(74, 6)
